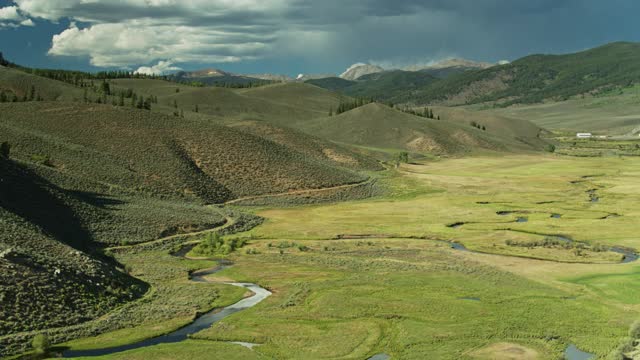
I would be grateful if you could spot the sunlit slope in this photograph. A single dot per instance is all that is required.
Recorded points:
(507, 128)
(309, 145)
(20, 83)
(379, 126)
(281, 104)
(171, 156)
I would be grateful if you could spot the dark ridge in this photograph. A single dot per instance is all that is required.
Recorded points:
(36, 200)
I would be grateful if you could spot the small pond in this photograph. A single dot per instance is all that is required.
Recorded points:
(573, 353)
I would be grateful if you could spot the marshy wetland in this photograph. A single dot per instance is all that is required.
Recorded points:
(357, 279)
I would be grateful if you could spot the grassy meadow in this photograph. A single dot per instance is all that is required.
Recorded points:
(359, 278)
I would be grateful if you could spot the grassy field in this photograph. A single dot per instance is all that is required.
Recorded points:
(354, 279)
(473, 191)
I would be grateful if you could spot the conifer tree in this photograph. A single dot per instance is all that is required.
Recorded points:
(106, 89)
(5, 150)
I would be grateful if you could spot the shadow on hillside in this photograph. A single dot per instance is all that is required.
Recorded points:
(30, 196)
(204, 186)
(95, 199)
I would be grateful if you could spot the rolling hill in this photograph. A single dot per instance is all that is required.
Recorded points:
(174, 157)
(379, 126)
(20, 83)
(278, 103)
(502, 126)
(311, 146)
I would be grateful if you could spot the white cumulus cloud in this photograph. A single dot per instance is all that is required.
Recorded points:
(162, 67)
(27, 22)
(10, 13)
(11, 16)
(145, 41)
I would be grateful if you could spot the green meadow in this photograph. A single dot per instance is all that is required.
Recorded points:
(358, 278)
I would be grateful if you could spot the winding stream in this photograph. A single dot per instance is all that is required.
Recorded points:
(201, 323)
(259, 294)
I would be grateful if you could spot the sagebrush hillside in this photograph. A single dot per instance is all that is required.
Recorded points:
(50, 274)
(508, 128)
(278, 103)
(161, 155)
(309, 145)
(19, 83)
(379, 126)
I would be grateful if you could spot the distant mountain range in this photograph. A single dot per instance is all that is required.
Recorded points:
(440, 69)
(531, 79)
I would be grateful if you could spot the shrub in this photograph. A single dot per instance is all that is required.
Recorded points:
(41, 343)
(550, 148)
(42, 160)
(634, 330)
(403, 157)
(5, 150)
(286, 245)
(214, 244)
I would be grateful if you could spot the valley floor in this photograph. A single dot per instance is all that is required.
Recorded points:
(475, 258)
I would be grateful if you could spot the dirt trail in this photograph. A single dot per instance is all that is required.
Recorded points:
(228, 222)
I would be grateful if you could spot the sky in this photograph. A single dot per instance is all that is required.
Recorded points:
(300, 36)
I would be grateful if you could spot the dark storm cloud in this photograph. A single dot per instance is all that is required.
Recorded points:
(331, 34)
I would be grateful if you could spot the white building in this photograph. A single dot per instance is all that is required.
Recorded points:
(584, 135)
